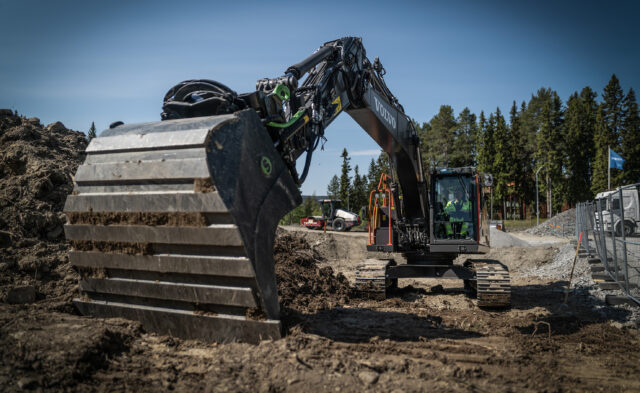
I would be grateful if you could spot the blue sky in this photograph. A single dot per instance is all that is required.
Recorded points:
(81, 61)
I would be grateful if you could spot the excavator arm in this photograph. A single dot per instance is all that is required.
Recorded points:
(172, 223)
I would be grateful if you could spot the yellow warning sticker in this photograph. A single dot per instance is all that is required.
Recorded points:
(338, 103)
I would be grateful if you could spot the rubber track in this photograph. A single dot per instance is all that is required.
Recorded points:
(371, 278)
(493, 284)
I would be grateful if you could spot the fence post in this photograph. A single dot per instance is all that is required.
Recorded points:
(587, 222)
(613, 238)
(624, 242)
(603, 241)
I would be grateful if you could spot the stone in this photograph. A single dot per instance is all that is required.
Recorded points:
(6, 112)
(21, 295)
(368, 377)
(34, 120)
(55, 127)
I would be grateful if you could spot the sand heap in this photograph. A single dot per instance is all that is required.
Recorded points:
(36, 168)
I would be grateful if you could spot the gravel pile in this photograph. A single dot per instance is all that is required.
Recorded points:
(36, 168)
(560, 267)
(560, 225)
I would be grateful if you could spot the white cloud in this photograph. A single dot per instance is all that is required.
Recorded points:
(370, 152)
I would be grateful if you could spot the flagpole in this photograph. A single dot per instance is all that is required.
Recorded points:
(609, 165)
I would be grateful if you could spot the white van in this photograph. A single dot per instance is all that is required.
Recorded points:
(630, 204)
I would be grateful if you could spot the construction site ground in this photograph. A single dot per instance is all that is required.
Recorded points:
(427, 336)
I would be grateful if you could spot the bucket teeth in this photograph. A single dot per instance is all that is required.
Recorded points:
(172, 224)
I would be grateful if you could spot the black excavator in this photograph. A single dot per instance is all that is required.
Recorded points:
(172, 223)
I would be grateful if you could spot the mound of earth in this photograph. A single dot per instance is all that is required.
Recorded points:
(36, 168)
(302, 285)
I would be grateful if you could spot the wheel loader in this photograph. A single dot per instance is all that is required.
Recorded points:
(172, 223)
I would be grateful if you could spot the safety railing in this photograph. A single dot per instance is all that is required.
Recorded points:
(613, 237)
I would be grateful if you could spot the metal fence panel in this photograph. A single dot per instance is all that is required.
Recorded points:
(603, 226)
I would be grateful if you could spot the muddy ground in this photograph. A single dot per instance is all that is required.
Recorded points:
(428, 335)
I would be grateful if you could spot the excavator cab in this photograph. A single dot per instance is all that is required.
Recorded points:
(459, 214)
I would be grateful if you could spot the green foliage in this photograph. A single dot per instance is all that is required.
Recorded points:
(92, 132)
(602, 140)
(521, 162)
(462, 149)
(550, 151)
(333, 189)
(309, 207)
(486, 150)
(579, 132)
(345, 179)
(359, 191)
(631, 139)
(613, 119)
(570, 142)
(439, 138)
(503, 160)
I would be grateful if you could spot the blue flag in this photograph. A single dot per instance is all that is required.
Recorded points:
(615, 161)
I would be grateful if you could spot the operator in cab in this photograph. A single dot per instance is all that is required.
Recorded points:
(459, 211)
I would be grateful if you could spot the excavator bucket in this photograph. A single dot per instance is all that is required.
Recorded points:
(172, 224)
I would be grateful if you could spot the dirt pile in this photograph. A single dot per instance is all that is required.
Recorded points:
(561, 225)
(36, 168)
(302, 285)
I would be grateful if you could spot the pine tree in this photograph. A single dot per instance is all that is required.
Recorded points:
(579, 129)
(424, 134)
(309, 206)
(373, 175)
(520, 170)
(612, 112)
(345, 179)
(383, 165)
(333, 189)
(602, 141)
(359, 194)
(551, 152)
(631, 139)
(503, 161)
(92, 132)
(462, 149)
(440, 138)
(487, 152)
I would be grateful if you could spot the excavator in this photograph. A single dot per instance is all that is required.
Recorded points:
(172, 223)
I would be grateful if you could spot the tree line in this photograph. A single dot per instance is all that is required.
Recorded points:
(566, 143)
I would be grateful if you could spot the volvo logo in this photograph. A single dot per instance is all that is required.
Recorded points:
(384, 113)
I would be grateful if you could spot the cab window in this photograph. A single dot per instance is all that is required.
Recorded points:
(454, 207)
